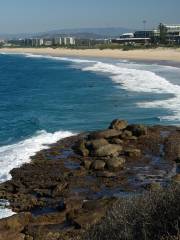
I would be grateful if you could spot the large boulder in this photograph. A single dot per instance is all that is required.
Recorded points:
(80, 148)
(98, 165)
(118, 124)
(108, 150)
(138, 130)
(133, 152)
(115, 163)
(126, 134)
(116, 141)
(87, 164)
(97, 143)
(109, 133)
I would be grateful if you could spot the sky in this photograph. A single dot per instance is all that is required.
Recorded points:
(19, 16)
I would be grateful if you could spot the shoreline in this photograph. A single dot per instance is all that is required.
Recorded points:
(69, 187)
(160, 55)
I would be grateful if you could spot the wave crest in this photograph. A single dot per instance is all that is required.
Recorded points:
(12, 156)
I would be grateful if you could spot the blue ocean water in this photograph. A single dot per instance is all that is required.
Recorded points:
(53, 94)
(44, 98)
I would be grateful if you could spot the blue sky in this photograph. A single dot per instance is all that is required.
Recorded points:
(40, 15)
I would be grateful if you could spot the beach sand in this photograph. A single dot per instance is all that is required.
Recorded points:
(159, 54)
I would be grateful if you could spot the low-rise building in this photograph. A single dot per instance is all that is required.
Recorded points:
(48, 42)
(173, 33)
(127, 35)
(132, 40)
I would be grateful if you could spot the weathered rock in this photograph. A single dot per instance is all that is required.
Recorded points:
(126, 134)
(115, 163)
(59, 188)
(118, 124)
(108, 150)
(133, 138)
(80, 148)
(87, 164)
(8, 235)
(28, 237)
(51, 218)
(137, 130)
(15, 223)
(133, 152)
(95, 144)
(98, 165)
(176, 178)
(85, 220)
(106, 174)
(24, 203)
(109, 133)
(116, 141)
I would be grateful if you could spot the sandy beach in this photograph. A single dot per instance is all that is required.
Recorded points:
(159, 54)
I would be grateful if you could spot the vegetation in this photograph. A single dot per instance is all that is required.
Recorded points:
(152, 216)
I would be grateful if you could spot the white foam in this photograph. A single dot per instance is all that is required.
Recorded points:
(13, 156)
(75, 60)
(4, 210)
(137, 80)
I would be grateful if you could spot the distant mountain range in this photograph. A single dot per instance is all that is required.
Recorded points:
(78, 33)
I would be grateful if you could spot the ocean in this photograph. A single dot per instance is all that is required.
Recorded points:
(44, 99)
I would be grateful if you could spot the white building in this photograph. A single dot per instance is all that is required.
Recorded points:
(173, 30)
(41, 41)
(127, 35)
(72, 41)
(69, 41)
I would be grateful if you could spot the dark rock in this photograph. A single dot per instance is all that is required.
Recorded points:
(126, 134)
(115, 163)
(133, 152)
(8, 235)
(116, 141)
(118, 124)
(138, 130)
(106, 174)
(97, 204)
(133, 138)
(177, 160)
(95, 144)
(15, 223)
(109, 133)
(59, 189)
(86, 219)
(87, 164)
(98, 165)
(176, 178)
(80, 148)
(108, 150)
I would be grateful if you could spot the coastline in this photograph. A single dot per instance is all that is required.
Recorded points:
(161, 54)
(66, 189)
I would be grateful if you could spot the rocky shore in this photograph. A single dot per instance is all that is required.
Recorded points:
(69, 187)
